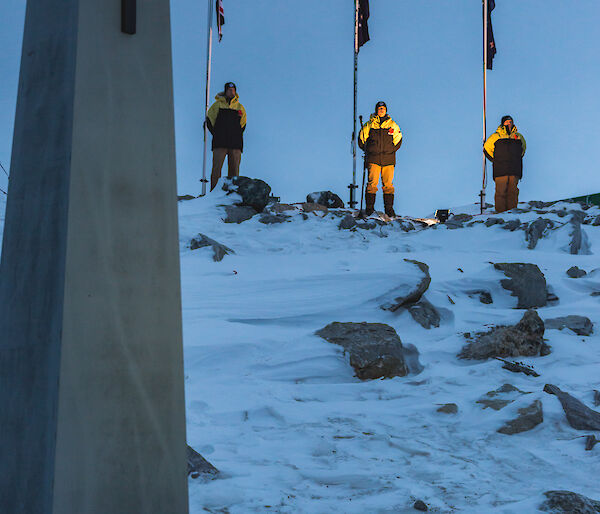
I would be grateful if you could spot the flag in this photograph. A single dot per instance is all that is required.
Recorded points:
(363, 28)
(220, 18)
(490, 43)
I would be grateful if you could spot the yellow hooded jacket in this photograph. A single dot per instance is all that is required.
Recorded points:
(380, 138)
(506, 151)
(226, 122)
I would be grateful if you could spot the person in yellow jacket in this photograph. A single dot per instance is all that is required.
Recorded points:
(226, 121)
(506, 148)
(380, 138)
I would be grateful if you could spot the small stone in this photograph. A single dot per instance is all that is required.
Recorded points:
(448, 408)
(254, 192)
(529, 417)
(185, 198)
(420, 505)
(326, 198)
(526, 282)
(198, 465)
(494, 221)
(545, 349)
(596, 398)
(347, 222)
(567, 502)
(219, 250)
(512, 225)
(579, 416)
(581, 325)
(590, 442)
(412, 294)
(425, 314)
(271, 219)
(238, 213)
(313, 207)
(575, 272)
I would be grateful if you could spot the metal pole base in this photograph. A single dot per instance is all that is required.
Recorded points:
(352, 203)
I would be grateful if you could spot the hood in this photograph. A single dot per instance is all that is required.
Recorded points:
(503, 132)
(220, 97)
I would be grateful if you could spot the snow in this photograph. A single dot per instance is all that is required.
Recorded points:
(278, 409)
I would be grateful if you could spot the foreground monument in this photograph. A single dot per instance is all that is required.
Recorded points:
(91, 368)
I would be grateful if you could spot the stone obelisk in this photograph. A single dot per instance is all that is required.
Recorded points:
(92, 415)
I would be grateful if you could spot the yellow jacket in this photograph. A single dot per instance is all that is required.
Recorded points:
(490, 145)
(221, 103)
(226, 122)
(380, 138)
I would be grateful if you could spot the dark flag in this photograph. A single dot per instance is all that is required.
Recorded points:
(363, 28)
(490, 43)
(220, 18)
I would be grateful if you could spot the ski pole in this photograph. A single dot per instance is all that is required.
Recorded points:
(362, 191)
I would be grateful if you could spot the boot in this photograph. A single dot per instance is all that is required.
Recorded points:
(370, 203)
(388, 202)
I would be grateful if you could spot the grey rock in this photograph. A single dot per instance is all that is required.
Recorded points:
(590, 442)
(526, 282)
(535, 231)
(501, 397)
(551, 297)
(406, 226)
(490, 222)
(219, 250)
(579, 416)
(270, 219)
(529, 417)
(199, 466)
(375, 349)
(238, 213)
(370, 225)
(581, 325)
(546, 349)
(420, 505)
(512, 225)
(484, 296)
(414, 295)
(448, 408)
(579, 242)
(425, 314)
(525, 338)
(326, 198)
(461, 218)
(596, 221)
(576, 272)
(453, 224)
(254, 192)
(313, 207)
(536, 204)
(347, 222)
(181, 198)
(561, 213)
(596, 398)
(567, 502)
(280, 208)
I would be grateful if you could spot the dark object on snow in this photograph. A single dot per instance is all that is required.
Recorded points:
(566, 502)
(518, 367)
(198, 465)
(546, 349)
(526, 282)
(442, 215)
(579, 242)
(254, 192)
(596, 398)
(270, 219)
(484, 296)
(185, 197)
(576, 272)
(425, 314)
(579, 416)
(420, 505)
(512, 225)
(238, 213)
(535, 231)
(347, 222)
(494, 221)
(500, 398)
(375, 349)
(525, 338)
(448, 408)
(581, 325)
(529, 417)
(415, 294)
(326, 198)
(219, 250)
(590, 442)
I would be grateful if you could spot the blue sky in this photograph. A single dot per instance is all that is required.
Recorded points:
(292, 62)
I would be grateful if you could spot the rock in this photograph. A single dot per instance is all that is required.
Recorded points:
(425, 314)
(347, 222)
(411, 295)
(326, 198)
(551, 297)
(546, 349)
(566, 502)
(484, 296)
(238, 213)
(507, 393)
(198, 465)
(575, 272)
(375, 349)
(453, 224)
(219, 250)
(526, 282)
(270, 219)
(579, 416)
(590, 442)
(185, 198)
(512, 225)
(596, 221)
(529, 417)
(313, 207)
(535, 231)
(420, 505)
(596, 398)
(525, 338)
(461, 218)
(448, 408)
(254, 192)
(490, 222)
(536, 204)
(366, 225)
(581, 325)
(280, 208)
(406, 226)
(579, 241)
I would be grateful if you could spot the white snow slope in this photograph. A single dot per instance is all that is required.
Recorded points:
(278, 410)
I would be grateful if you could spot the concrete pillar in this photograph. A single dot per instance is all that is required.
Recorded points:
(91, 365)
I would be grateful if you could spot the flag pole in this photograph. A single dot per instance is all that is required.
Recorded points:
(207, 99)
(353, 186)
(485, 56)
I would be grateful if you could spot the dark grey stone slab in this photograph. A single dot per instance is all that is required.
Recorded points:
(567, 502)
(579, 415)
(411, 294)
(529, 417)
(526, 282)
(581, 325)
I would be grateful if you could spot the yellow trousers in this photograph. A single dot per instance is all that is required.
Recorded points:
(387, 176)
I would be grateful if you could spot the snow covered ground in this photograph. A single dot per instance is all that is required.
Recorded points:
(278, 410)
